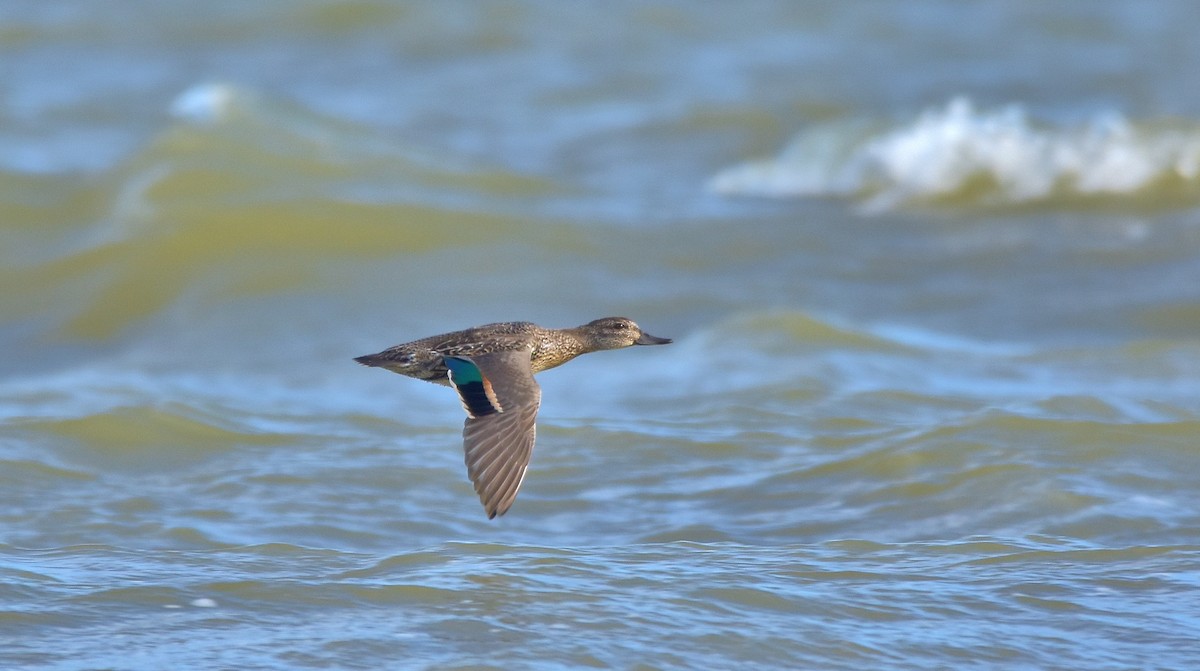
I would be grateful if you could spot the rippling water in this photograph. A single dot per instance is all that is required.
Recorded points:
(931, 270)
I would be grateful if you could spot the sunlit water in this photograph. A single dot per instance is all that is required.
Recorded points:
(932, 273)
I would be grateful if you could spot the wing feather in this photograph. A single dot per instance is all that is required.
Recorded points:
(498, 445)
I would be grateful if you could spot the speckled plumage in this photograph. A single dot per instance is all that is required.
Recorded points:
(492, 369)
(423, 359)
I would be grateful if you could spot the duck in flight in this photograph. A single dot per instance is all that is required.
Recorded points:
(492, 368)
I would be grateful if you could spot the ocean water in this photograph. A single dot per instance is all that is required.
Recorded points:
(932, 272)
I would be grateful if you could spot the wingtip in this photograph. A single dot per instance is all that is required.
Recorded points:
(496, 509)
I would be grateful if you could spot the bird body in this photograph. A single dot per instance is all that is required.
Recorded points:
(492, 368)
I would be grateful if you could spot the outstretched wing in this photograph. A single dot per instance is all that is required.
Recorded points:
(501, 399)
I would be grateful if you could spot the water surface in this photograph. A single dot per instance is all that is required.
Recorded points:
(931, 271)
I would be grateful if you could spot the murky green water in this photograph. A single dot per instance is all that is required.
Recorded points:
(931, 271)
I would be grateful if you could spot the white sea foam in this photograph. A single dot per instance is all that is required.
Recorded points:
(958, 151)
(204, 103)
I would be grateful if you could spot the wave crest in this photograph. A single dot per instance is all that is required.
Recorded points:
(960, 154)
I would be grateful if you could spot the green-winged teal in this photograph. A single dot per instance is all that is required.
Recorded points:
(492, 368)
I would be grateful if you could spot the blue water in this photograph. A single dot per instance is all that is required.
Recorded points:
(929, 268)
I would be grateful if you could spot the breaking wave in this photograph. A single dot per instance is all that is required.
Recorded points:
(961, 154)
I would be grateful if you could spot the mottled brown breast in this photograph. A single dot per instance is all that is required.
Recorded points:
(554, 348)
